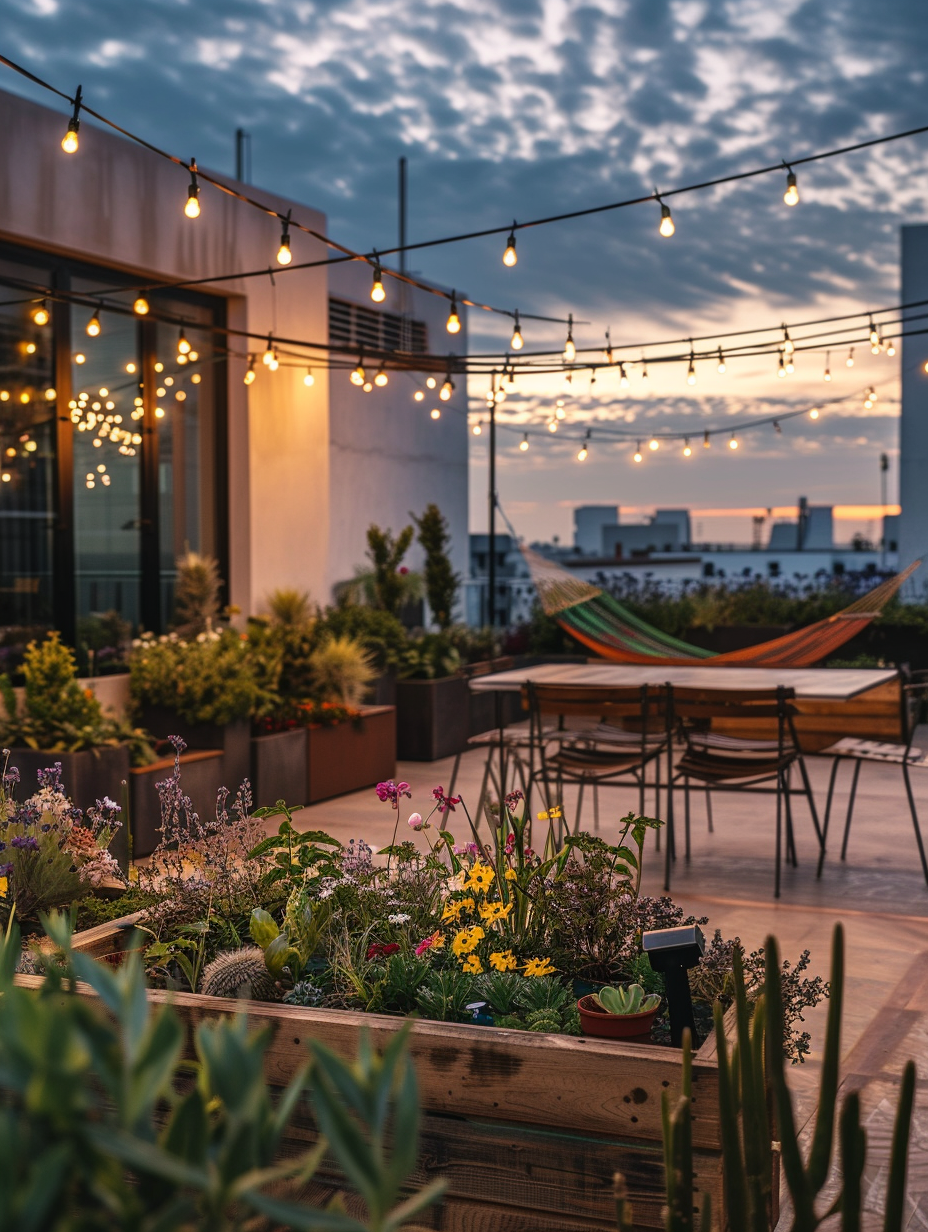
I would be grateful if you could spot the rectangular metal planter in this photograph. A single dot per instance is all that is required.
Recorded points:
(350, 756)
(87, 777)
(234, 739)
(279, 768)
(528, 1129)
(432, 718)
(201, 777)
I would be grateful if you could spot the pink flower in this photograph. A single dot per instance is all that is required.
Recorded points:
(424, 945)
(415, 821)
(460, 849)
(392, 791)
(443, 803)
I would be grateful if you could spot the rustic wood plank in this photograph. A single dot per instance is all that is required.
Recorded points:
(107, 938)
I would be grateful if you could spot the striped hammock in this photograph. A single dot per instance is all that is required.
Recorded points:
(601, 623)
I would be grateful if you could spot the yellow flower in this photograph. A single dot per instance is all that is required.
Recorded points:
(539, 966)
(453, 909)
(467, 939)
(494, 911)
(472, 965)
(551, 814)
(481, 877)
(503, 960)
(510, 874)
(3, 887)
(438, 941)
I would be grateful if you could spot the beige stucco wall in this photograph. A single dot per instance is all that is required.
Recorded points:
(310, 468)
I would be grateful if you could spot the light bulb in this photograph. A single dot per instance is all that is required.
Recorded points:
(552, 425)
(453, 324)
(183, 346)
(510, 257)
(275, 362)
(476, 429)
(850, 358)
(654, 444)
(523, 444)
(435, 413)
(781, 369)
(867, 403)
(445, 392)
(80, 357)
(666, 227)
(570, 351)
(192, 204)
(732, 444)
(788, 347)
(637, 453)
(30, 348)
(69, 142)
(500, 395)
(516, 341)
(691, 373)
(791, 196)
(419, 395)
(381, 378)
(309, 380)
(705, 440)
(430, 382)
(284, 255)
(828, 366)
(249, 377)
(890, 348)
(874, 335)
(181, 359)
(378, 294)
(268, 355)
(813, 414)
(141, 306)
(721, 361)
(790, 366)
(559, 411)
(623, 377)
(367, 387)
(875, 348)
(193, 356)
(40, 313)
(93, 326)
(159, 366)
(582, 455)
(687, 451)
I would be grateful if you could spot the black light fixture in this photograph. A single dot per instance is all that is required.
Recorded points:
(672, 951)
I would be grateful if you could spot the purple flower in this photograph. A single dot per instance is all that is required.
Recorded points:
(25, 842)
(5, 870)
(11, 775)
(512, 799)
(392, 791)
(444, 804)
(51, 777)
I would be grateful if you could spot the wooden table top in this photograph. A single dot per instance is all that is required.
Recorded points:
(826, 683)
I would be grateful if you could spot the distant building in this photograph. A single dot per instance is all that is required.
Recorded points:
(812, 531)
(514, 591)
(913, 422)
(589, 524)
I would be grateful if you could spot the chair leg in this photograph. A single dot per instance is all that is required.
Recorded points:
(790, 833)
(709, 809)
(807, 790)
(912, 809)
(686, 813)
(595, 808)
(483, 787)
(776, 878)
(579, 806)
(827, 817)
(669, 846)
(850, 807)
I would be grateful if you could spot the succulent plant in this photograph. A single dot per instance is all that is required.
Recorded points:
(238, 973)
(305, 993)
(626, 999)
(544, 1020)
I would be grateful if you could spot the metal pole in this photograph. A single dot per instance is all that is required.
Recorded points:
(491, 541)
(884, 467)
(240, 154)
(402, 212)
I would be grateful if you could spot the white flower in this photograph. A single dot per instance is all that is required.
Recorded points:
(201, 637)
(399, 918)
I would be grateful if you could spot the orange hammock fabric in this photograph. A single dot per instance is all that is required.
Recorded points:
(602, 624)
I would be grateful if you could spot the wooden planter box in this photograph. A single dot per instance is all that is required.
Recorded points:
(349, 756)
(201, 777)
(432, 718)
(279, 768)
(528, 1129)
(86, 777)
(234, 740)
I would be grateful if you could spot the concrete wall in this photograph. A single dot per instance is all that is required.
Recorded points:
(308, 473)
(913, 424)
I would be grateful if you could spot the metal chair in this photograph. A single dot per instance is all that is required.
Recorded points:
(606, 753)
(721, 762)
(509, 761)
(859, 751)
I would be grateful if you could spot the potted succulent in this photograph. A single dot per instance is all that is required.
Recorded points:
(618, 1013)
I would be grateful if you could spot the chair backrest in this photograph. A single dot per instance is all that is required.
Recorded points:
(733, 703)
(595, 701)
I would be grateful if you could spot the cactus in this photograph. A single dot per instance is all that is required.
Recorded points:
(239, 973)
(626, 999)
(756, 1064)
(305, 993)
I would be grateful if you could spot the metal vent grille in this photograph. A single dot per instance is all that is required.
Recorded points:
(359, 328)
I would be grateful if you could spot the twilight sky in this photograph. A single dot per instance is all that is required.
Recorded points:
(511, 110)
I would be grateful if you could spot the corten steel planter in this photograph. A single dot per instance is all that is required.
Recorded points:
(432, 718)
(279, 768)
(351, 755)
(86, 777)
(234, 739)
(528, 1129)
(201, 777)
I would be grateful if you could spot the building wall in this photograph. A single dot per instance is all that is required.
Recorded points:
(913, 424)
(309, 469)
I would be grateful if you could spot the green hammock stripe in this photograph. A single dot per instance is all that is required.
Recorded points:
(607, 621)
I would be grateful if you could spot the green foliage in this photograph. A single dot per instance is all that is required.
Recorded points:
(341, 671)
(429, 657)
(626, 999)
(100, 1127)
(403, 977)
(290, 608)
(208, 680)
(196, 594)
(380, 633)
(445, 996)
(386, 555)
(441, 582)
(305, 993)
(500, 990)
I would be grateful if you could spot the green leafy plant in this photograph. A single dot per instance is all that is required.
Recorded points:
(429, 657)
(626, 999)
(445, 996)
(441, 582)
(208, 680)
(341, 671)
(380, 633)
(196, 594)
(290, 608)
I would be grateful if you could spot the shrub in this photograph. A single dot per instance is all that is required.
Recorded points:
(208, 680)
(196, 594)
(441, 582)
(380, 633)
(341, 671)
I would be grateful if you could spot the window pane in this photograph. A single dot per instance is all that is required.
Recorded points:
(27, 466)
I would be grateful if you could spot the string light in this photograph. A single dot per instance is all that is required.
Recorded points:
(447, 388)
(453, 324)
(378, 294)
(559, 411)
(721, 361)
(705, 440)
(827, 376)
(430, 382)
(523, 444)
(192, 206)
(358, 376)
(791, 196)
(570, 351)
(183, 346)
(687, 451)
(93, 326)
(623, 377)
(435, 413)
(776, 427)
(69, 142)
(636, 456)
(419, 395)
(584, 450)
(609, 359)
(510, 256)
(788, 347)
(781, 367)
(814, 413)
(476, 429)
(890, 348)
(367, 387)
(268, 356)
(552, 425)
(516, 341)
(666, 228)
(381, 378)
(141, 306)
(275, 361)
(790, 366)
(733, 444)
(691, 371)
(874, 335)
(40, 313)
(309, 380)
(850, 358)
(250, 374)
(654, 444)
(80, 357)
(644, 368)
(284, 255)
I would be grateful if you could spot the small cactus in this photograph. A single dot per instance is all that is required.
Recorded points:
(305, 992)
(626, 999)
(239, 973)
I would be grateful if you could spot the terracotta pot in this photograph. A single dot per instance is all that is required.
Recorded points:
(595, 1021)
